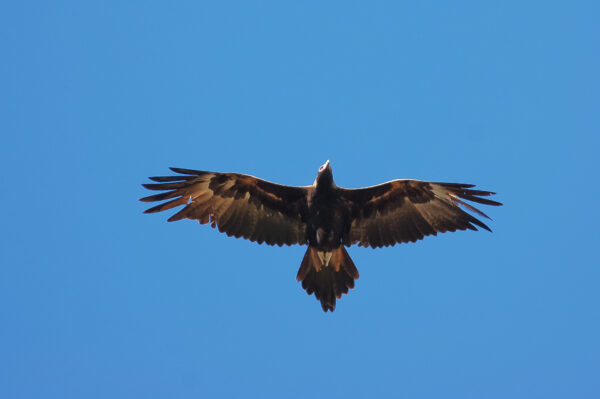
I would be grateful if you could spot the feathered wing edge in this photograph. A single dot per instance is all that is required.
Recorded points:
(239, 205)
(173, 187)
(459, 192)
(408, 210)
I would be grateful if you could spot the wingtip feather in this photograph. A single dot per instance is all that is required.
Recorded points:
(184, 171)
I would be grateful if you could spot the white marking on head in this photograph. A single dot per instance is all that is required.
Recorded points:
(324, 166)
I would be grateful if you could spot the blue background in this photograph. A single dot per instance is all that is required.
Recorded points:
(98, 300)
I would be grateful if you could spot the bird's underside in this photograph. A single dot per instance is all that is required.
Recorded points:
(323, 216)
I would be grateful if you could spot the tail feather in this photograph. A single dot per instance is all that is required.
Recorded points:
(328, 283)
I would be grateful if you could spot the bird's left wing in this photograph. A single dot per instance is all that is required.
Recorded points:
(238, 205)
(408, 210)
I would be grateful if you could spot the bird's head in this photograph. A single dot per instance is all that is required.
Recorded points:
(325, 175)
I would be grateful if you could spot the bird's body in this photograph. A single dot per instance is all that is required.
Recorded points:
(323, 216)
(326, 218)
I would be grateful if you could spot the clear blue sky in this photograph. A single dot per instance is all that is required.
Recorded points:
(98, 300)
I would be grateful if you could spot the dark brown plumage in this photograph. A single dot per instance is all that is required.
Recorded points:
(323, 216)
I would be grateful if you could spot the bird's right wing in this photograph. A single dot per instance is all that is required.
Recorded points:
(238, 205)
(408, 210)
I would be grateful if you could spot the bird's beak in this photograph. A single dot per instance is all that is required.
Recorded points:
(327, 165)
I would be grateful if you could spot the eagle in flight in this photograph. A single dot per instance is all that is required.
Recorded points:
(322, 216)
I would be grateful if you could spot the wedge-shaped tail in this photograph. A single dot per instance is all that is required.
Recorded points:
(328, 283)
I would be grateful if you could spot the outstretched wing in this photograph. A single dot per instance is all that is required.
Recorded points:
(408, 210)
(238, 205)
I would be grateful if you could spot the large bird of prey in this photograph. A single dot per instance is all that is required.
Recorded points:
(323, 216)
